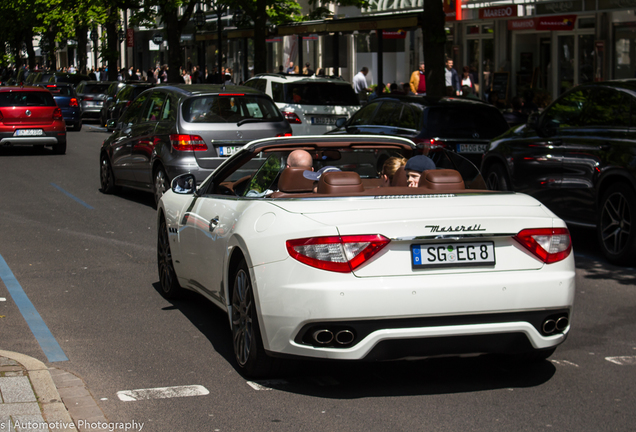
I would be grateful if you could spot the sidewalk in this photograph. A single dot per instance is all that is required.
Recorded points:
(36, 398)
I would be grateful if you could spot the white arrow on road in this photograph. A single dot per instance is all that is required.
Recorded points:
(162, 393)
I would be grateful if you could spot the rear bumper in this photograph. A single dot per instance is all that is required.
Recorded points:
(50, 138)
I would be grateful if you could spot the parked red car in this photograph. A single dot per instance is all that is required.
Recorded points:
(30, 116)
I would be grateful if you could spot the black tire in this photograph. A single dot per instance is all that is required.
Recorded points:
(168, 281)
(77, 126)
(60, 148)
(106, 176)
(246, 334)
(617, 224)
(161, 183)
(496, 178)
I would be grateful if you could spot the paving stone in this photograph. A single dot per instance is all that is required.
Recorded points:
(8, 362)
(19, 409)
(10, 368)
(14, 374)
(73, 392)
(16, 389)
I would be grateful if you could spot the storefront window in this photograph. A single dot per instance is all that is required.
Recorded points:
(566, 63)
(625, 54)
(587, 23)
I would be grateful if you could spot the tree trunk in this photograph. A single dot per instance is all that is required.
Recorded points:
(110, 52)
(260, 36)
(28, 41)
(173, 33)
(433, 20)
(81, 35)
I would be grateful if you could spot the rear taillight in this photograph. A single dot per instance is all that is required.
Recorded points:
(73, 102)
(187, 142)
(292, 117)
(342, 254)
(284, 135)
(57, 114)
(550, 245)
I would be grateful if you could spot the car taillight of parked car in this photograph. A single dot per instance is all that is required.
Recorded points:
(73, 103)
(57, 114)
(291, 117)
(187, 142)
(288, 134)
(342, 254)
(550, 245)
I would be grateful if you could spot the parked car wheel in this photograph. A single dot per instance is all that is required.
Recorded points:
(60, 148)
(246, 335)
(161, 182)
(496, 178)
(617, 224)
(77, 126)
(106, 176)
(170, 288)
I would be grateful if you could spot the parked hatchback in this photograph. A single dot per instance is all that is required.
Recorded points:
(577, 157)
(171, 130)
(461, 125)
(312, 105)
(92, 95)
(30, 116)
(111, 93)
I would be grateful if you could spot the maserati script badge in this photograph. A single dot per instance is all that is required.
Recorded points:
(454, 229)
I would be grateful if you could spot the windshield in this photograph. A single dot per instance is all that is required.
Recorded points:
(480, 122)
(315, 93)
(229, 109)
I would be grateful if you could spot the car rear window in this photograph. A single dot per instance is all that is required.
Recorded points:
(465, 122)
(96, 88)
(316, 93)
(229, 109)
(24, 98)
(60, 91)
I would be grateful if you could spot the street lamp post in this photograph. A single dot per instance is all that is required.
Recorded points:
(94, 38)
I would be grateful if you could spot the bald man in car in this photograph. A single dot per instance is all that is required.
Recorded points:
(300, 159)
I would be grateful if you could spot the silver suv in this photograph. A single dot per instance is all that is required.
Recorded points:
(172, 130)
(312, 105)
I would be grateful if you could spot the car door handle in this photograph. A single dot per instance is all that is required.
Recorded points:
(214, 222)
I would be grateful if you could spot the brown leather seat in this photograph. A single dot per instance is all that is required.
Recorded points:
(340, 182)
(292, 181)
(441, 180)
(399, 178)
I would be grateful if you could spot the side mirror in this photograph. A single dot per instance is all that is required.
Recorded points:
(340, 122)
(184, 184)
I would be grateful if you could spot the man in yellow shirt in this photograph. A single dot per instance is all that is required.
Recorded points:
(418, 81)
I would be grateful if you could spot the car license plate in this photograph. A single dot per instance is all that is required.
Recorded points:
(28, 132)
(454, 254)
(228, 151)
(324, 120)
(471, 148)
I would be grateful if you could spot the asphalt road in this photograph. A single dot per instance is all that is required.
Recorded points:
(87, 263)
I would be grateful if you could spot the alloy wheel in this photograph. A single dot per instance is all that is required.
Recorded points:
(615, 223)
(242, 325)
(161, 184)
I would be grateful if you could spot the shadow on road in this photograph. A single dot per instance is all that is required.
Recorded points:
(351, 380)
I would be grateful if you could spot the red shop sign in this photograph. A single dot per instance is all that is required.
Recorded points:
(522, 24)
(400, 34)
(498, 12)
(130, 38)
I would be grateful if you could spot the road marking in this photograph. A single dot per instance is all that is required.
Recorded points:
(622, 360)
(35, 322)
(162, 393)
(266, 384)
(72, 196)
(564, 363)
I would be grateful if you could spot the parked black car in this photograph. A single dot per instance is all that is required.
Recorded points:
(579, 158)
(111, 94)
(462, 125)
(172, 130)
(124, 98)
(92, 95)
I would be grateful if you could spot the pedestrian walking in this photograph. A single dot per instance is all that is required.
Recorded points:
(418, 81)
(452, 79)
(360, 84)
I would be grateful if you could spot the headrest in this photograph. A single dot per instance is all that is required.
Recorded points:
(340, 182)
(441, 179)
(292, 180)
(399, 178)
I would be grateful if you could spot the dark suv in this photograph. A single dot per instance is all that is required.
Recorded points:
(577, 157)
(462, 125)
(171, 130)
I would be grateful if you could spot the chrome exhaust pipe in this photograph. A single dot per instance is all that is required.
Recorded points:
(323, 337)
(344, 337)
(562, 323)
(549, 326)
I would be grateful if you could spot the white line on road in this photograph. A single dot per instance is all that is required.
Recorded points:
(622, 360)
(564, 363)
(162, 393)
(266, 384)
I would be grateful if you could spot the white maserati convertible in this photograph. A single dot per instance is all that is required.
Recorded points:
(345, 268)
